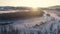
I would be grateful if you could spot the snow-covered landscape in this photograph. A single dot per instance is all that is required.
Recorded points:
(49, 23)
(29, 16)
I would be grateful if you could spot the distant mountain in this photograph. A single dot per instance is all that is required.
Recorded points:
(5, 8)
(57, 7)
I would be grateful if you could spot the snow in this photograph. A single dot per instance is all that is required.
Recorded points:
(45, 24)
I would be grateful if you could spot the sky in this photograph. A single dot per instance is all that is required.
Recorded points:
(29, 3)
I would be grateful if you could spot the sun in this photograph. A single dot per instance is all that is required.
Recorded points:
(34, 8)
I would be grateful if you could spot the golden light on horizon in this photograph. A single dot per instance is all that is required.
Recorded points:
(34, 8)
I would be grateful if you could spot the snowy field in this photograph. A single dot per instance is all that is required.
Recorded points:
(47, 24)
